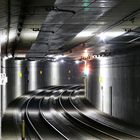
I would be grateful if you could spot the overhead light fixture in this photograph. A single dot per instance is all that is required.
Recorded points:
(3, 36)
(84, 34)
(20, 55)
(86, 51)
(29, 35)
(62, 61)
(57, 57)
(109, 35)
(77, 62)
(86, 54)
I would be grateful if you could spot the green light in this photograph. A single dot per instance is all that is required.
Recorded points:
(85, 4)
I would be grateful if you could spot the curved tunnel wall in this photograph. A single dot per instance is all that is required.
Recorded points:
(57, 73)
(16, 85)
(35, 74)
(24, 76)
(114, 86)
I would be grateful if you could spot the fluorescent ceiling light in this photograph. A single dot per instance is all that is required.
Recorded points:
(85, 54)
(77, 62)
(55, 57)
(3, 36)
(85, 51)
(58, 57)
(62, 61)
(29, 35)
(12, 35)
(84, 34)
(20, 55)
(108, 35)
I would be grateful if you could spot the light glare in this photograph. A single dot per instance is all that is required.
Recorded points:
(77, 61)
(59, 56)
(84, 34)
(85, 54)
(108, 35)
(62, 61)
(86, 69)
(3, 36)
(29, 35)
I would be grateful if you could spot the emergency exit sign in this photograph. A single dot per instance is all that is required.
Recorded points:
(3, 79)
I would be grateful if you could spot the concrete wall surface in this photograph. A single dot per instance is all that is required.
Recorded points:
(24, 76)
(63, 73)
(114, 86)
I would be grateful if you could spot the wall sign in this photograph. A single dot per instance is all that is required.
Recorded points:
(3, 79)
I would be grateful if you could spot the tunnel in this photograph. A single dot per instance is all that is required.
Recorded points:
(70, 69)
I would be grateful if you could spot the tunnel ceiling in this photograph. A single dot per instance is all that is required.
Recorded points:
(39, 28)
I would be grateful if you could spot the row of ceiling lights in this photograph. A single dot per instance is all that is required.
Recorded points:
(102, 36)
(83, 34)
(86, 56)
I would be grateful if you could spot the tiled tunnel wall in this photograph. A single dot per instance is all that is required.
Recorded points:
(114, 86)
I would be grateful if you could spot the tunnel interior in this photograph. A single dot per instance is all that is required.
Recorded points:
(69, 69)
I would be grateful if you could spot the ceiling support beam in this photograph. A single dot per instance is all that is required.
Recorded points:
(129, 17)
(23, 8)
(8, 26)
